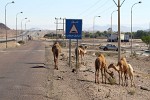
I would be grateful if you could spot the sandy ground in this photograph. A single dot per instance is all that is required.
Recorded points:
(11, 44)
(80, 86)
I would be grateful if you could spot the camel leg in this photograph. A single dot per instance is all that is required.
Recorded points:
(57, 64)
(119, 77)
(132, 81)
(126, 79)
(81, 59)
(122, 79)
(102, 74)
(97, 76)
(56, 57)
(105, 75)
(54, 60)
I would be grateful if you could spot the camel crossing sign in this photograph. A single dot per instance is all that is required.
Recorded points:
(73, 28)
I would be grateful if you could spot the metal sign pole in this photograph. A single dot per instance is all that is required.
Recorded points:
(74, 31)
(149, 41)
(77, 58)
(69, 52)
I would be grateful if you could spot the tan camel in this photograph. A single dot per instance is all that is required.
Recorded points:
(122, 69)
(80, 52)
(56, 49)
(129, 72)
(100, 64)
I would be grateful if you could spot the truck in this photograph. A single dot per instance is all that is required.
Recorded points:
(114, 37)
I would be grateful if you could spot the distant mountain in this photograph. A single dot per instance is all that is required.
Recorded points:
(2, 26)
(115, 28)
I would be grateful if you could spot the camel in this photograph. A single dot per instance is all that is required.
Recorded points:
(131, 74)
(56, 49)
(80, 52)
(100, 64)
(123, 68)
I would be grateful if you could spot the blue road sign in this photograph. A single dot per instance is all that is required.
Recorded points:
(73, 28)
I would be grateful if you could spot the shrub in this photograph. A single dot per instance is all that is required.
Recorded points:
(21, 42)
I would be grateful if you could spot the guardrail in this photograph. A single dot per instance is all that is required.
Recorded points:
(2, 41)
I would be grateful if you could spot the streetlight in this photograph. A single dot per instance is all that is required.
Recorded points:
(131, 24)
(111, 22)
(5, 20)
(26, 23)
(16, 24)
(21, 27)
(25, 28)
(93, 27)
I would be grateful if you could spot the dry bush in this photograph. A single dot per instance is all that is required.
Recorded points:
(131, 92)
(112, 81)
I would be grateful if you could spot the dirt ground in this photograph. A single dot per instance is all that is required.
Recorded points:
(80, 86)
(67, 85)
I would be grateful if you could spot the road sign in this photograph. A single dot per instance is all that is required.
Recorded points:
(73, 28)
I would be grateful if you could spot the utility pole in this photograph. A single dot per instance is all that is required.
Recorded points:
(149, 40)
(119, 39)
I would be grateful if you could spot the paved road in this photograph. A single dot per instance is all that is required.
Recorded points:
(23, 75)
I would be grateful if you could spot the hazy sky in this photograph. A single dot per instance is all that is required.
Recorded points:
(42, 13)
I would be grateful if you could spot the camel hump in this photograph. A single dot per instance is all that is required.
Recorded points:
(101, 55)
(56, 46)
(124, 59)
(130, 67)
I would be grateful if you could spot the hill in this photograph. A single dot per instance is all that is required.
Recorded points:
(2, 26)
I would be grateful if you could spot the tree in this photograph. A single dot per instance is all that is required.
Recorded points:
(140, 33)
(146, 39)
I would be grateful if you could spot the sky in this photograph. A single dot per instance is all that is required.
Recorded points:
(42, 13)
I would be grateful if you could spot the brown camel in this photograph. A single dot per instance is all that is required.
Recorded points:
(122, 69)
(56, 49)
(129, 72)
(100, 64)
(80, 52)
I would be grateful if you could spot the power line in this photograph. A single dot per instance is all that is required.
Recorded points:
(101, 6)
(89, 8)
(107, 9)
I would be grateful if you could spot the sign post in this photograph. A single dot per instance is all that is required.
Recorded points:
(73, 31)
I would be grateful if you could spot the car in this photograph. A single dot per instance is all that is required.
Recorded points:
(109, 47)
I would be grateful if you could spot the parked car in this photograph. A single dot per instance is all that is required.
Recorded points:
(109, 47)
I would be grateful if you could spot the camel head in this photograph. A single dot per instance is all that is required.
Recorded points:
(83, 48)
(111, 65)
(111, 73)
(114, 67)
